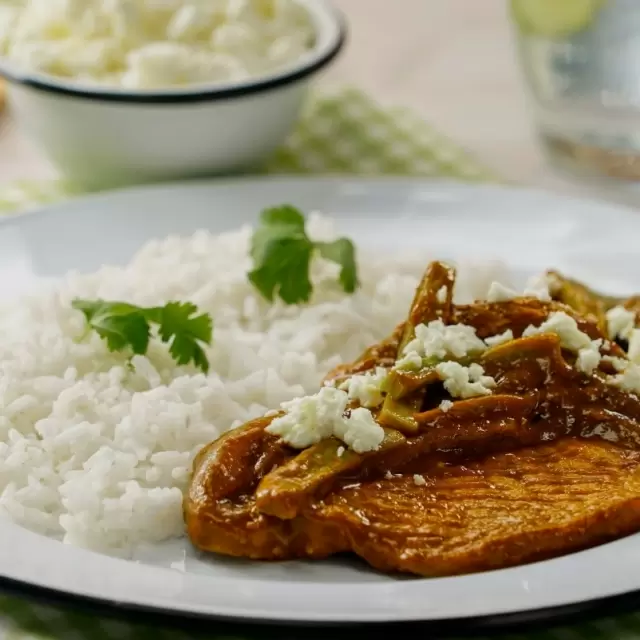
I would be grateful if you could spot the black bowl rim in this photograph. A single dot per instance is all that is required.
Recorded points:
(193, 95)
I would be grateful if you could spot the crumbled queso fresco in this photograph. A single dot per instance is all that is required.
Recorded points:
(310, 419)
(419, 480)
(572, 339)
(147, 44)
(465, 382)
(367, 389)
(502, 338)
(436, 341)
(621, 324)
(537, 287)
(445, 405)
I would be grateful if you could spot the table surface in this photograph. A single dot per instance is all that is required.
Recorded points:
(452, 62)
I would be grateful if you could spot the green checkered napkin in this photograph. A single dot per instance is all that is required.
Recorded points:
(343, 133)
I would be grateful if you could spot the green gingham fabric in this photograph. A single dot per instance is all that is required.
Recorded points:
(342, 133)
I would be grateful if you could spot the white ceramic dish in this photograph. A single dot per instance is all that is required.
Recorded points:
(101, 137)
(528, 229)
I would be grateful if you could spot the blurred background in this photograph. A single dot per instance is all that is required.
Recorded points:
(466, 66)
(451, 61)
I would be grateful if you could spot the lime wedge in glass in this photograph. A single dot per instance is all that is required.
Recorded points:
(554, 18)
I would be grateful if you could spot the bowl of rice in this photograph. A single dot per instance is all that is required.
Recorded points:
(120, 92)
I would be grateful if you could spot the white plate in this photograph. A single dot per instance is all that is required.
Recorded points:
(530, 230)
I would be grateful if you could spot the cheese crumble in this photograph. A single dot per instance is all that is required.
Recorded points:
(465, 382)
(368, 388)
(502, 338)
(620, 323)
(436, 341)
(536, 287)
(589, 357)
(619, 364)
(412, 361)
(628, 379)
(572, 339)
(359, 431)
(445, 405)
(500, 293)
(565, 327)
(310, 419)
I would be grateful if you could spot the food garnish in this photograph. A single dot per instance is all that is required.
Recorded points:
(127, 327)
(282, 253)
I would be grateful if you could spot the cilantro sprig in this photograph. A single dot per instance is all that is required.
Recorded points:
(282, 252)
(126, 327)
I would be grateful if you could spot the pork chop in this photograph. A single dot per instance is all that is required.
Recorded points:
(545, 465)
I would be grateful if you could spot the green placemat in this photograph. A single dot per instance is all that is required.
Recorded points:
(342, 133)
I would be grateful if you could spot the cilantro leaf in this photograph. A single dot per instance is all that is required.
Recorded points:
(282, 253)
(286, 215)
(121, 325)
(343, 253)
(184, 332)
(284, 270)
(126, 327)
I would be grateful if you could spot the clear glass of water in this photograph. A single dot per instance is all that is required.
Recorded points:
(581, 60)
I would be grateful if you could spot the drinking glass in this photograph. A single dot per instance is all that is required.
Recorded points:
(581, 61)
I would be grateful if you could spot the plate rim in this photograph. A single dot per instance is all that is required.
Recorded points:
(581, 613)
(334, 181)
(484, 621)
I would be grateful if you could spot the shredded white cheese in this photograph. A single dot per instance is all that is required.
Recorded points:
(620, 322)
(419, 480)
(310, 419)
(368, 388)
(465, 382)
(445, 405)
(494, 341)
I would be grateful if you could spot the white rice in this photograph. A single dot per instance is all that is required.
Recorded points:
(98, 455)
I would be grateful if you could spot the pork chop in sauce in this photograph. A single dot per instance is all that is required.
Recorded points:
(545, 464)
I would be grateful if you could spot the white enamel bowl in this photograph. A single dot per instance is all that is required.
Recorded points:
(99, 137)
